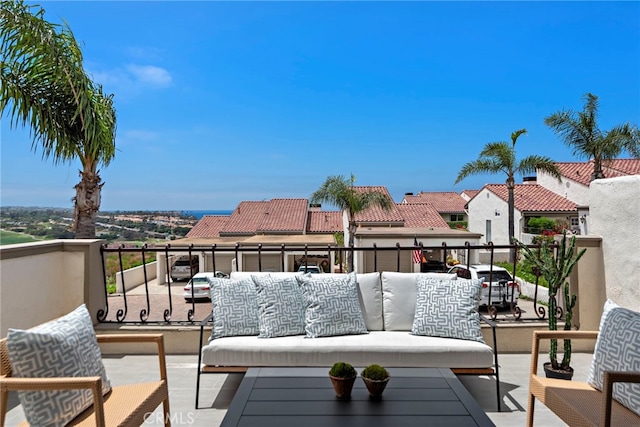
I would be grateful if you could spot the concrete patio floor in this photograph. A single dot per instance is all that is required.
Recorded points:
(217, 390)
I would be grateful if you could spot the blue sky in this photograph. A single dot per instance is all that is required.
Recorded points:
(219, 102)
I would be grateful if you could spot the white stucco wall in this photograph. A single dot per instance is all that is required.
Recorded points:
(484, 207)
(572, 190)
(615, 215)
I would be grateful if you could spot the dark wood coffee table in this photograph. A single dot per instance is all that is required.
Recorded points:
(304, 397)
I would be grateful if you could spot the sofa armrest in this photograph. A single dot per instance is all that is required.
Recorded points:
(607, 389)
(137, 339)
(549, 335)
(60, 383)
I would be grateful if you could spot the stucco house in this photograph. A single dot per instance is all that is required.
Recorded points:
(575, 180)
(489, 214)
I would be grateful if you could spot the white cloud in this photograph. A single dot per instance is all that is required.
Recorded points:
(132, 79)
(150, 74)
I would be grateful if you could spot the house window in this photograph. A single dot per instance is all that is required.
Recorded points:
(487, 232)
(457, 217)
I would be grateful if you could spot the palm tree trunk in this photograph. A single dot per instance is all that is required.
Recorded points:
(597, 168)
(352, 232)
(87, 204)
(511, 188)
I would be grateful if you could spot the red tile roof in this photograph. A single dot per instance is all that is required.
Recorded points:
(208, 226)
(444, 201)
(581, 171)
(245, 219)
(533, 198)
(418, 215)
(274, 216)
(282, 215)
(375, 213)
(324, 222)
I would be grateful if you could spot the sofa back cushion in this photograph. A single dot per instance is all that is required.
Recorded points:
(399, 292)
(618, 349)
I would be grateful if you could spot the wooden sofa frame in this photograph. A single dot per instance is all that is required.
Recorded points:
(124, 405)
(207, 369)
(577, 403)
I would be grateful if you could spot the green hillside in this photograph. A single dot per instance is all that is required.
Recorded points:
(10, 238)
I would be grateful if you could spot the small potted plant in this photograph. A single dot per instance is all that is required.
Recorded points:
(555, 268)
(342, 375)
(375, 378)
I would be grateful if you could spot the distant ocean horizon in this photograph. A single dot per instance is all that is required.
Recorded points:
(200, 214)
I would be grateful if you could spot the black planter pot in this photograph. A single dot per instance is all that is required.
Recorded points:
(560, 374)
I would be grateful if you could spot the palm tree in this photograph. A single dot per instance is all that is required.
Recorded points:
(340, 192)
(498, 157)
(579, 131)
(45, 87)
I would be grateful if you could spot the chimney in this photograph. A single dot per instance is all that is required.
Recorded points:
(529, 180)
(315, 207)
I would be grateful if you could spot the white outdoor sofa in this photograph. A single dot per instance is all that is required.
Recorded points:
(388, 303)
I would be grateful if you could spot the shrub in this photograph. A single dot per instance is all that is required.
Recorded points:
(538, 225)
(342, 370)
(375, 372)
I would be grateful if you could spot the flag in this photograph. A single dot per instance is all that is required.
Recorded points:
(417, 253)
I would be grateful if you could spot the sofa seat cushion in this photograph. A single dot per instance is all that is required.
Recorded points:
(386, 348)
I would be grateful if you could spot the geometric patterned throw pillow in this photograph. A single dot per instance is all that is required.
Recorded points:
(280, 306)
(332, 306)
(235, 308)
(448, 308)
(64, 347)
(618, 349)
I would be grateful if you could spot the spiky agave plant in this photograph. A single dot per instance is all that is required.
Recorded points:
(555, 267)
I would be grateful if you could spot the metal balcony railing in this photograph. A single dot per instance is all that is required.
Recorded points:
(161, 301)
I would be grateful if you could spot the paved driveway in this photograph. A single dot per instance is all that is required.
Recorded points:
(162, 297)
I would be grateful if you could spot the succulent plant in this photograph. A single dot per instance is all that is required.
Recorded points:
(342, 370)
(555, 267)
(375, 372)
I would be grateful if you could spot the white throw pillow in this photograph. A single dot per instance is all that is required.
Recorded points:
(448, 309)
(235, 308)
(332, 306)
(280, 306)
(64, 347)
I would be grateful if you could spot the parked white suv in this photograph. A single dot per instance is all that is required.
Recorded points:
(495, 280)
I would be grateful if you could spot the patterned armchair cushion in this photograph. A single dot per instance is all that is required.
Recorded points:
(280, 306)
(448, 309)
(235, 308)
(332, 306)
(618, 349)
(65, 347)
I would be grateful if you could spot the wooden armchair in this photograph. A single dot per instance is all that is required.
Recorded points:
(124, 405)
(577, 403)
